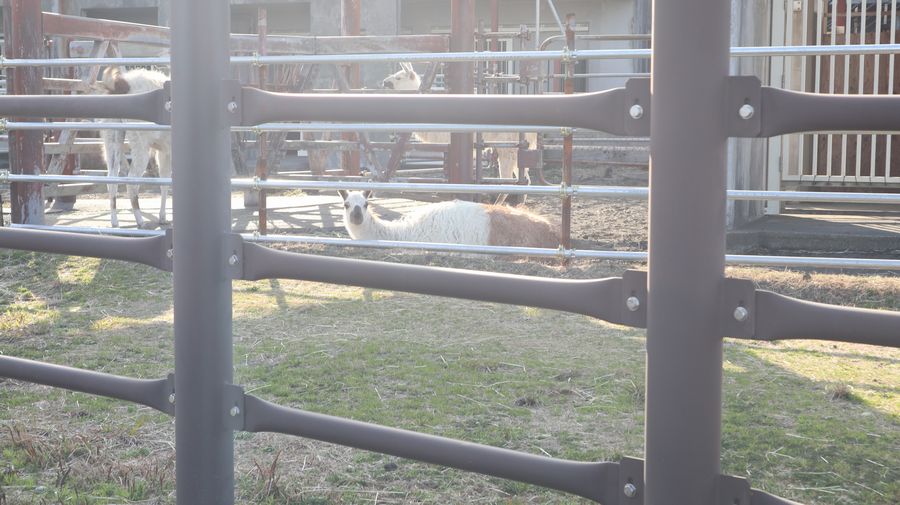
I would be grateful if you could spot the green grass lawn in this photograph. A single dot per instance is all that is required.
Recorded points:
(815, 422)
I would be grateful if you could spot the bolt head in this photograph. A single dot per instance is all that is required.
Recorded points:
(633, 303)
(741, 313)
(232, 107)
(630, 490)
(233, 260)
(168, 106)
(746, 111)
(636, 111)
(172, 398)
(234, 411)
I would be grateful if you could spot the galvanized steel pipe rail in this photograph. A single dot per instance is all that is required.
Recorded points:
(582, 54)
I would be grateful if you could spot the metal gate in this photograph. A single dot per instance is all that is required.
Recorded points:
(867, 160)
(685, 301)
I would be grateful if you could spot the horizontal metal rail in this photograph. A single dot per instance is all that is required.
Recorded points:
(315, 126)
(87, 230)
(147, 106)
(154, 393)
(600, 298)
(621, 192)
(782, 317)
(151, 251)
(285, 127)
(579, 54)
(595, 481)
(634, 256)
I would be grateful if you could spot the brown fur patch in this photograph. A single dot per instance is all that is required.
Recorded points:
(510, 226)
(120, 86)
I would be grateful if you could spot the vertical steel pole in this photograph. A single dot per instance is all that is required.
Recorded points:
(25, 39)
(687, 250)
(461, 81)
(203, 347)
(262, 139)
(350, 26)
(565, 238)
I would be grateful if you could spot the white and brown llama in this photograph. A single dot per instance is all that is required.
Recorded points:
(143, 144)
(453, 222)
(507, 157)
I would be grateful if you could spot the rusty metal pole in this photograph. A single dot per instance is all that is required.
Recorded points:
(350, 26)
(461, 81)
(262, 162)
(566, 228)
(26, 148)
(67, 202)
(687, 250)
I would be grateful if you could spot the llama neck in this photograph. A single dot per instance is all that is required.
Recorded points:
(375, 228)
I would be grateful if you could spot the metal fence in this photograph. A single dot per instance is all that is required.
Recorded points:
(869, 159)
(684, 300)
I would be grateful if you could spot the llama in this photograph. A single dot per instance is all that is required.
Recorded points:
(144, 144)
(507, 158)
(453, 222)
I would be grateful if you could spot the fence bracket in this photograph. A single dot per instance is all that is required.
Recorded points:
(234, 106)
(637, 107)
(744, 108)
(234, 256)
(737, 308)
(631, 481)
(234, 404)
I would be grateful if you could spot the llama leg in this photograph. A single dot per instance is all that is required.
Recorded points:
(113, 155)
(164, 162)
(140, 156)
(113, 192)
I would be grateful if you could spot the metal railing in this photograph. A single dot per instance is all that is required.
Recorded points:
(691, 307)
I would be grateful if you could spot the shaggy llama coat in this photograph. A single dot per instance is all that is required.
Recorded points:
(143, 144)
(455, 222)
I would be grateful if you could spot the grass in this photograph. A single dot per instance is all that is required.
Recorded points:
(815, 422)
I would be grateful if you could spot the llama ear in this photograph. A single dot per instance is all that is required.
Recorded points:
(408, 67)
(343, 194)
(368, 193)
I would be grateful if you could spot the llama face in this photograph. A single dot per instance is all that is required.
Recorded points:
(404, 80)
(356, 204)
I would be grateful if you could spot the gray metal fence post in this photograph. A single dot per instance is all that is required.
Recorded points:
(687, 250)
(203, 347)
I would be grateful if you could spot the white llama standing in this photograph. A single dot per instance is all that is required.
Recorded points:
(507, 157)
(144, 144)
(454, 222)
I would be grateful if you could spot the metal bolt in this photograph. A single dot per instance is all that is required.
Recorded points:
(168, 106)
(633, 303)
(232, 107)
(234, 411)
(630, 490)
(746, 111)
(172, 398)
(636, 111)
(741, 313)
(170, 253)
(233, 260)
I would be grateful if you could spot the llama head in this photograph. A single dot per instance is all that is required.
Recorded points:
(405, 80)
(113, 82)
(356, 204)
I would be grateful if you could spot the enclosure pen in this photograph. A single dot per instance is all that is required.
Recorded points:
(685, 300)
